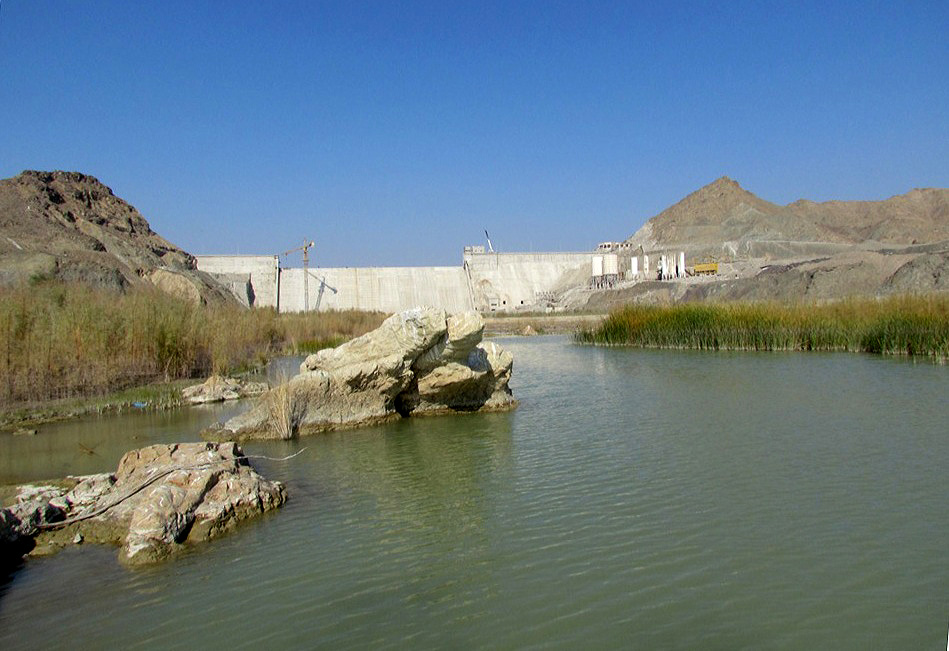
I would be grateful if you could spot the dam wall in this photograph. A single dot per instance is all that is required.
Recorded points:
(520, 281)
(484, 281)
(260, 270)
(386, 289)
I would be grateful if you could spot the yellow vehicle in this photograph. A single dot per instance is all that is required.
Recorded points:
(706, 268)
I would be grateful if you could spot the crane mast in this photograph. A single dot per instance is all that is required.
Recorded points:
(307, 245)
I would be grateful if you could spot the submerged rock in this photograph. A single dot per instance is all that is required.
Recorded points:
(160, 498)
(419, 361)
(219, 389)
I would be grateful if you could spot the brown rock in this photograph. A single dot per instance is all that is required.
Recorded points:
(160, 498)
(13, 542)
(176, 284)
(70, 226)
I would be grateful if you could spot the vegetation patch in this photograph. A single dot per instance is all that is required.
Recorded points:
(310, 346)
(60, 341)
(285, 409)
(904, 325)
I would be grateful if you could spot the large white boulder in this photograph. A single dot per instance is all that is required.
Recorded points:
(418, 361)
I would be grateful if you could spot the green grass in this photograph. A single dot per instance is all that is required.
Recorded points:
(59, 341)
(150, 397)
(905, 325)
(309, 346)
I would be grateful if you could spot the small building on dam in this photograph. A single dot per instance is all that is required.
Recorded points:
(485, 281)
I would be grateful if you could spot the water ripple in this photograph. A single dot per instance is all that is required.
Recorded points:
(635, 499)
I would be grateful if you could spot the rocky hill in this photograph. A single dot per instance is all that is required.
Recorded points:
(917, 217)
(70, 226)
(802, 251)
(723, 220)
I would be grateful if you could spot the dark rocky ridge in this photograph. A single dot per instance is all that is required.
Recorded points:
(70, 226)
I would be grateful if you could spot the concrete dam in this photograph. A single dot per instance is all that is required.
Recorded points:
(485, 281)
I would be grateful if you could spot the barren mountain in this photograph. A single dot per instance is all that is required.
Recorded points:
(919, 216)
(723, 220)
(70, 226)
(803, 251)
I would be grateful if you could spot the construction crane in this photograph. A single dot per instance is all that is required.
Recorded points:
(307, 245)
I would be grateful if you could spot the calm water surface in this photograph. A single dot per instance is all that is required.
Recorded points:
(635, 499)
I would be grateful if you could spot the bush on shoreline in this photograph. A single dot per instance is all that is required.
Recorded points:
(61, 340)
(903, 325)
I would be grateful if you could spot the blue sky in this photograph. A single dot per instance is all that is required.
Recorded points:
(394, 133)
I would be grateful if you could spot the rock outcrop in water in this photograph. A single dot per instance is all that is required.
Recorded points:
(420, 361)
(160, 498)
(220, 389)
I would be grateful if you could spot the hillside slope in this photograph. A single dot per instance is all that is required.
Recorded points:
(70, 226)
(723, 220)
(804, 251)
(917, 217)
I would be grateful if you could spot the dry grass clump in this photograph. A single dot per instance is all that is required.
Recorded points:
(62, 340)
(903, 325)
(285, 408)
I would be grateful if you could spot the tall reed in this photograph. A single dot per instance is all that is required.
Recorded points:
(903, 325)
(285, 408)
(63, 340)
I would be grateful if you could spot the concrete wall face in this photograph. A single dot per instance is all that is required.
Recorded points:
(486, 281)
(388, 289)
(261, 269)
(239, 285)
(508, 281)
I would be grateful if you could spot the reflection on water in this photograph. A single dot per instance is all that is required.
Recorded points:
(96, 443)
(283, 368)
(636, 498)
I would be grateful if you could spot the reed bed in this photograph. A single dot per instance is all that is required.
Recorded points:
(902, 325)
(59, 340)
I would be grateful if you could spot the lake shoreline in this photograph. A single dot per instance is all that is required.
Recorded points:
(677, 327)
(155, 396)
(914, 326)
(544, 324)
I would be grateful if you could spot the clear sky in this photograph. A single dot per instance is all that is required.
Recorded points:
(394, 133)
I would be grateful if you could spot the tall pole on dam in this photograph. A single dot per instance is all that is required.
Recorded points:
(307, 245)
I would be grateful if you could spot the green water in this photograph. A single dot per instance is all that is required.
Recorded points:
(636, 499)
